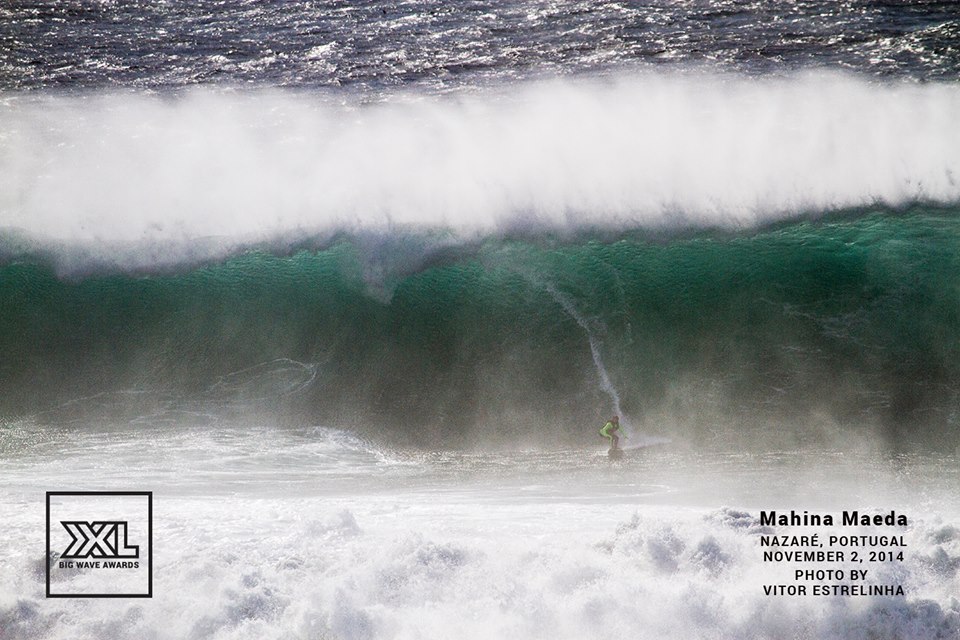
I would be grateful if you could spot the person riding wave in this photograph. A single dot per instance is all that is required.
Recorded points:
(611, 430)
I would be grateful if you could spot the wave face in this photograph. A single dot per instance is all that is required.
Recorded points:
(828, 327)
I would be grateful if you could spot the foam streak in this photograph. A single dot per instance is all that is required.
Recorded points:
(605, 382)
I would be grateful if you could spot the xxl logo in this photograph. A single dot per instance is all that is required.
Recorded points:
(98, 539)
(92, 533)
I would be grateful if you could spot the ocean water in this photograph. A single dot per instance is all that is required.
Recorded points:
(351, 287)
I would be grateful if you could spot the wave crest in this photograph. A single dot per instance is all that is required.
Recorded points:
(154, 180)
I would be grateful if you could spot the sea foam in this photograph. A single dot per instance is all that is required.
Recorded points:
(276, 570)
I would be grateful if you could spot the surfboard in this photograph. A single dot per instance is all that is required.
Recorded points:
(617, 454)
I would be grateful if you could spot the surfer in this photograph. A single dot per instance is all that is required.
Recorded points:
(610, 430)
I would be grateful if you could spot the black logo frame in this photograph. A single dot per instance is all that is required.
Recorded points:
(49, 557)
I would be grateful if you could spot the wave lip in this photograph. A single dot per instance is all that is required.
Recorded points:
(199, 174)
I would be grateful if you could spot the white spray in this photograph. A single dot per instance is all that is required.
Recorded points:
(605, 382)
(144, 180)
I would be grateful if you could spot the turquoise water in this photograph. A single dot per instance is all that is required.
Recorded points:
(851, 321)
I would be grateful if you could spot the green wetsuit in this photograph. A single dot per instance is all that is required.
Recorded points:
(608, 429)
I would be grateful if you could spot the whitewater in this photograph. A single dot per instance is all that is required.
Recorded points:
(313, 533)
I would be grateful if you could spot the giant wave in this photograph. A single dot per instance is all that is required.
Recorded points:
(707, 254)
(827, 329)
